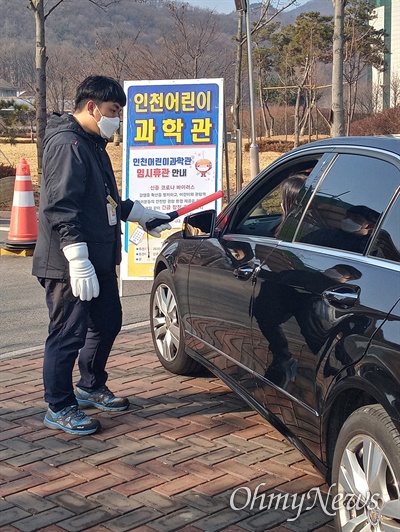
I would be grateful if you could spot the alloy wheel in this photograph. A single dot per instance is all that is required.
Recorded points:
(166, 322)
(368, 489)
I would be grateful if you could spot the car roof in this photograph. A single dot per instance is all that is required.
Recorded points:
(391, 144)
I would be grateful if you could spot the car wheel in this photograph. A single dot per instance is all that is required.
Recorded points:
(366, 472)
(167, 329)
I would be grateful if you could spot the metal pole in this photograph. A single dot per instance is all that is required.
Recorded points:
(238, 161)
(254, 159)
(228, 189)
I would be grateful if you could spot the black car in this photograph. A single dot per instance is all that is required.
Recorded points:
(292, 297)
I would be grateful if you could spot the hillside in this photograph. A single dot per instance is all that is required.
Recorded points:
(325, 7)
(77, 22)
(131, 39)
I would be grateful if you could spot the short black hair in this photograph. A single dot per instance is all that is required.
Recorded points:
(100, 89)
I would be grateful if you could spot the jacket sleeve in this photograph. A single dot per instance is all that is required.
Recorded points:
(126, 207)
(65, 178)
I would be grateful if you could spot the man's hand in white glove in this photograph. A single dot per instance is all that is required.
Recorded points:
(142, 215)
(84, 281)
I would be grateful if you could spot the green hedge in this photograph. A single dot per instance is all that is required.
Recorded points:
(280, 146)
(7, 170)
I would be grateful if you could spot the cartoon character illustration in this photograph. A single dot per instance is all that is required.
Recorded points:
(203, 166)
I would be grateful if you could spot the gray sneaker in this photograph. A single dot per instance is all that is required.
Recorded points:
(103, 399)
(71, 419)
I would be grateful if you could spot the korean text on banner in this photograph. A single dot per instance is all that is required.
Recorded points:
(173, 136)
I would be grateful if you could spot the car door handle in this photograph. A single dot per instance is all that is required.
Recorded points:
(243, 272)
(342, 297)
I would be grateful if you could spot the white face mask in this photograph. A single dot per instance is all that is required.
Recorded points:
(108, 126)
(350, 226)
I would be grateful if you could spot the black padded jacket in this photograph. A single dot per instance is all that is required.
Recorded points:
(77, 178)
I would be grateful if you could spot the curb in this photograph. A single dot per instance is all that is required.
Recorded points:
(29, 350)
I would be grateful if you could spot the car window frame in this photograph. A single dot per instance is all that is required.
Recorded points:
(395, 198)
(271, 175)
(336, 151)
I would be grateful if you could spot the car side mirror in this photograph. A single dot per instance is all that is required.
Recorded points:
(199, 225)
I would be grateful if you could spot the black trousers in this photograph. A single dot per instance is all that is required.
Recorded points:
(87, 328)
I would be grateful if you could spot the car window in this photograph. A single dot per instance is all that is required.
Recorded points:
(262, 212)
(386, 244)
(264, 218)
(349, 202)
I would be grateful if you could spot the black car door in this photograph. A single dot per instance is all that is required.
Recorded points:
(220, 292)
(222, 273)
(317, 304)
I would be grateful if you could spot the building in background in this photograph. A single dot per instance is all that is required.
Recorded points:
(6, 89)
(386, 85)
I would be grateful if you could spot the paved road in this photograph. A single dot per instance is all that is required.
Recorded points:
(23, 310)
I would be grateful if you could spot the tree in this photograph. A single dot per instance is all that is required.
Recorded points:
(303, 44)
(191, 45)
(395, 89)
(192, 48)
(37, 6)
(265, 14)
(115, 52)
(264, 65)
(16, 63)
(38, 9)
(364, 46)
(337, 129)
(63, 71)
(13, 116)
(238, 72)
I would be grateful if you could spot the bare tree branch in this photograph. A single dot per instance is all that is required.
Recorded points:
(52, 9)
(103, 5)
(263, 21)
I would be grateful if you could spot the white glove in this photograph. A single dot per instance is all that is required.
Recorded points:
(142, 215)
(84, 281)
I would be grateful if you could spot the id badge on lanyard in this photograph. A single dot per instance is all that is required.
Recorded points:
(111, 210)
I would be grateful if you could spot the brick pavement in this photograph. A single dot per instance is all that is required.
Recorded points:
(171, 462)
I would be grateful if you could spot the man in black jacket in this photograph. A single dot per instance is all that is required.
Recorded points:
(77, 250)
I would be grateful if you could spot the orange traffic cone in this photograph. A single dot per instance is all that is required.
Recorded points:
(23, 224)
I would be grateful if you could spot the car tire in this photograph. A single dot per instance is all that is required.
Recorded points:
(166, 327)
(366, 472)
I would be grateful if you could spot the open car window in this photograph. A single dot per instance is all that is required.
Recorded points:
(261, 212)
(265, 216)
